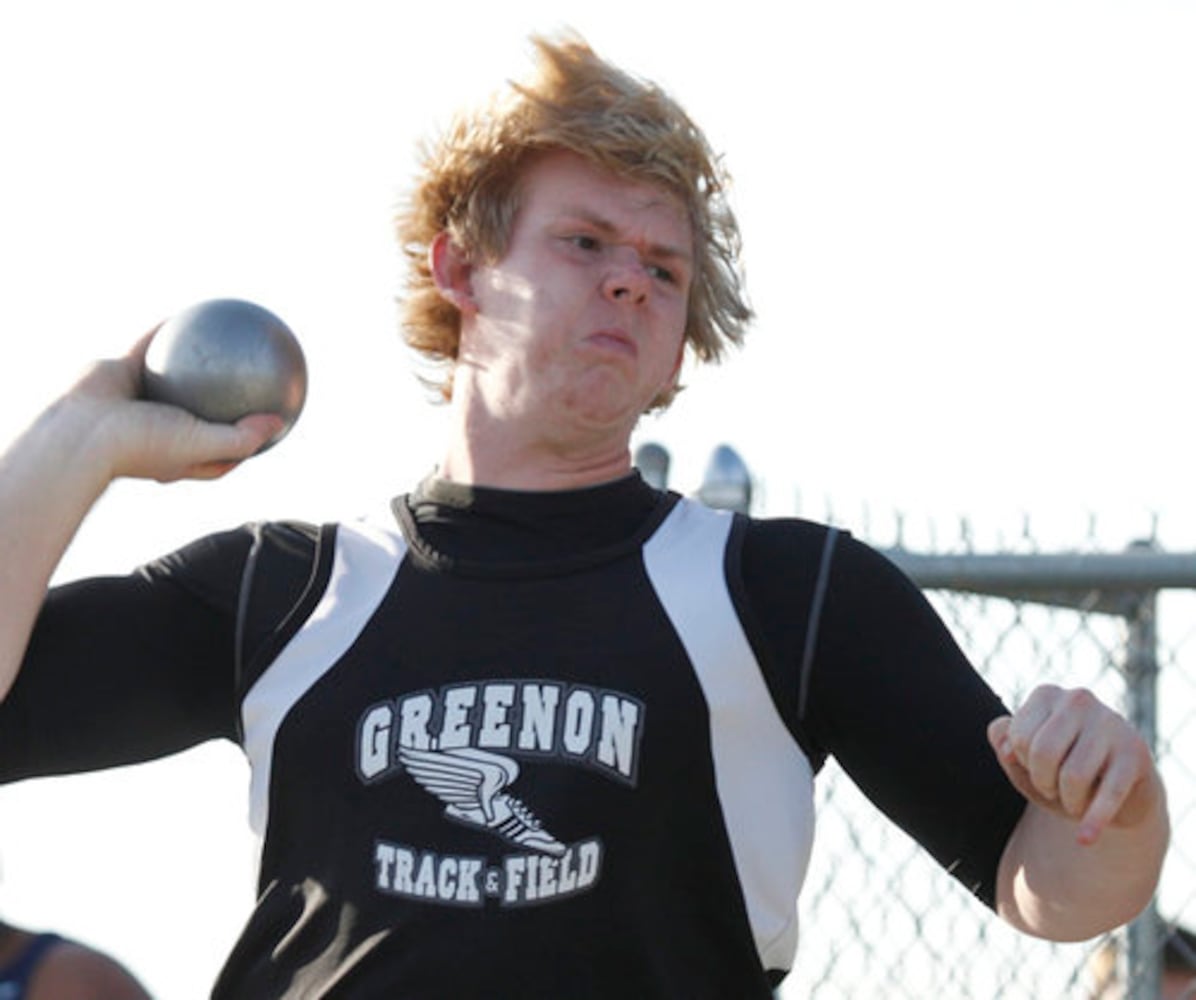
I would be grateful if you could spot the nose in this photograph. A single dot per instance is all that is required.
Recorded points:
(626, 280)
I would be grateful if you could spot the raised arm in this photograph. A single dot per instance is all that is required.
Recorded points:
(54, 472)
(1087, 853)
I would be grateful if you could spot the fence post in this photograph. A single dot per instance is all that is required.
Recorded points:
(1144, 941)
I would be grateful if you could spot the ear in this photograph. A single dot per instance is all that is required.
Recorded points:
(452, 272)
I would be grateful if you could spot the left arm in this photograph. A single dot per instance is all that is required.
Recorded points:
(1086, 855)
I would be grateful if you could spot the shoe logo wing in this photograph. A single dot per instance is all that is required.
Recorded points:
(471, 783)
(462, 778)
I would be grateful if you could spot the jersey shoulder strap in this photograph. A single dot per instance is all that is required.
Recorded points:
(14, 977)
(352, 570)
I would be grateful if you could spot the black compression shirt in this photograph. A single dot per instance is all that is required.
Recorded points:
(857, 666)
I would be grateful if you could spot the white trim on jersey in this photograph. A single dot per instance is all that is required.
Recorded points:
(367, 558)
(764, 781)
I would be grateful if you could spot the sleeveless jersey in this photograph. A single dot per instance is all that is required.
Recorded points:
(462, 754)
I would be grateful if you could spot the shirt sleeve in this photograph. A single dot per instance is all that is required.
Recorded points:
(889, 694)
(126, 669)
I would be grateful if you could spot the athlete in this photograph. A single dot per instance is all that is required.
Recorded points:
(46, 966)
(537, 729)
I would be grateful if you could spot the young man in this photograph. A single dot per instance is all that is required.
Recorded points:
(540, 730)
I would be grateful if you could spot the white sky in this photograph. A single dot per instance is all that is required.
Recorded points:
(970, 239)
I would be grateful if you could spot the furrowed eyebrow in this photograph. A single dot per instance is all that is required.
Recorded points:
(608, 229)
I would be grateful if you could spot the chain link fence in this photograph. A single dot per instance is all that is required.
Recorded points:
(879, 918)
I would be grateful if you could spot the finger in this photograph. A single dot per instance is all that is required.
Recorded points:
(1019, 778)
(194, 449)
(1050, 750)
(1045, 751)
(999, 740)
(136, 353)
(259, 428)
(1081, 771)
(209, 470)
(122, 373)
(246, 438)
(1116, 785)
(1029, 717)
(998, 735)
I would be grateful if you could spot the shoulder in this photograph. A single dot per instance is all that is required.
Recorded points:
(787, 558)
(780, 555)
(72, 971)
(795, 543)
(218, 551)
(213, 566)
(770, 543)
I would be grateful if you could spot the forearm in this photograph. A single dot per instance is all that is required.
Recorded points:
(1052, 886)
(52, 475)
(49, 479)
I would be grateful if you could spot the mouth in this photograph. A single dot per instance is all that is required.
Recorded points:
(615, 341)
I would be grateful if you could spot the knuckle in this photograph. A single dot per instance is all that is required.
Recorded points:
(1074, 781)
(1022, 744)
(1042, 765)
(1080, 699)
(1043, 695)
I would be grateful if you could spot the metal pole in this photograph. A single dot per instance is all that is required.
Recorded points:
(653, 461)
(1144, 938)
(727, 484)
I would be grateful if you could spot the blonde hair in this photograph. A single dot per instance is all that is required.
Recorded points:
(469, 188)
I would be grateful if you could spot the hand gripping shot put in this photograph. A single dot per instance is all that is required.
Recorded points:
(224, 359)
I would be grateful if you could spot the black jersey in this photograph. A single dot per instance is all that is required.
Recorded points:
(527, 745)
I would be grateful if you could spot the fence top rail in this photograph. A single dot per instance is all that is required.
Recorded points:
(1138, 570)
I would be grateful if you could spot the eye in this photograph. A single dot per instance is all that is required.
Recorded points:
(584, 241)
(662, 274)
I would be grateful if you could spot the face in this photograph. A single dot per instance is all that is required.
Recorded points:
(581, 324)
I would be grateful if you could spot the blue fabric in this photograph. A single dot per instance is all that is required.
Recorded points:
(14, 978)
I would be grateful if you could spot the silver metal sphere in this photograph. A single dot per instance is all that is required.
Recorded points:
(224, 359)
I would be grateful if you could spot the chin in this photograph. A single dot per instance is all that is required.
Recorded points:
(607, 401)
(606, 418)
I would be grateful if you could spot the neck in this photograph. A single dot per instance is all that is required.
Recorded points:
(507, 453)
(474, 464)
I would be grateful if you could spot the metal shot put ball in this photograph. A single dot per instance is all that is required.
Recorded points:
(225, 359)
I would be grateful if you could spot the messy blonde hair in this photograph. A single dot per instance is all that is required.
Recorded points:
(469, 188)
